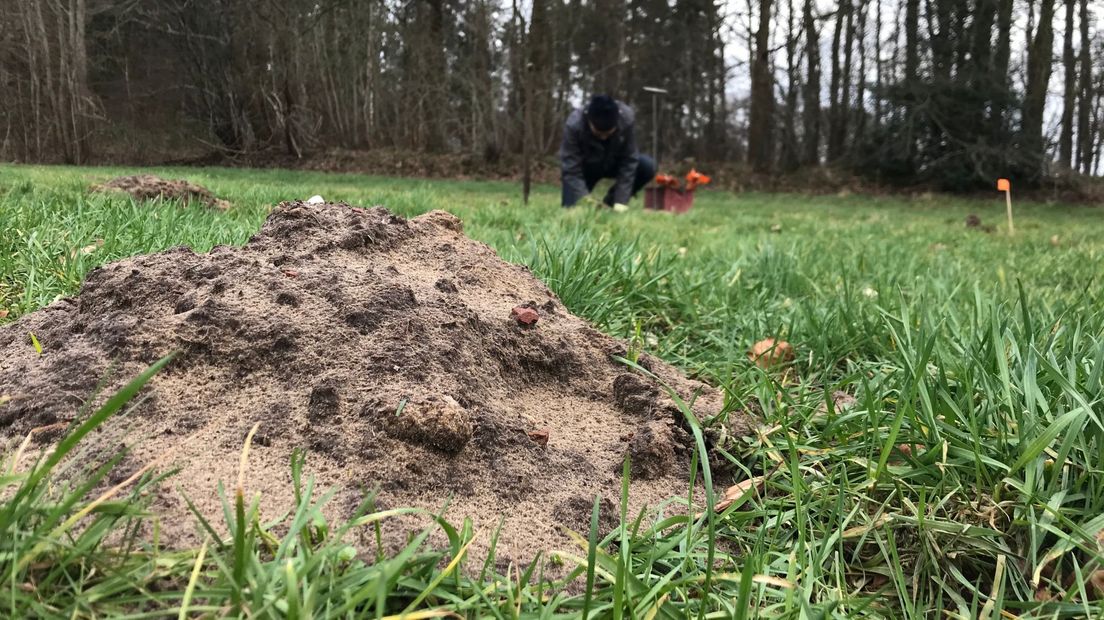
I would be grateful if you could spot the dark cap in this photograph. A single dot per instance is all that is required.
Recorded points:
(602, 112)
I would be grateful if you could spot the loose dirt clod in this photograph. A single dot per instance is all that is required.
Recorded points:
(841, 401)
(377, 344)
(973, 221)
(150, 187)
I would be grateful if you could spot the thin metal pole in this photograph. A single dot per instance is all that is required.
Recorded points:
(655, 129)
(656, 92)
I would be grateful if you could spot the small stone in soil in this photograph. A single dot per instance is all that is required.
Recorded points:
(524, 315)
(540, 437)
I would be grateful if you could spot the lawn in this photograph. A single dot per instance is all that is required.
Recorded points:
(966, 478)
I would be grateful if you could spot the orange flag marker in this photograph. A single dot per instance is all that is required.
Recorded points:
(1003, 185)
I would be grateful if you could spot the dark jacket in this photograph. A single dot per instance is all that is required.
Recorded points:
(615, 157)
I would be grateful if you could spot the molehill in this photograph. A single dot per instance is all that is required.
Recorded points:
(402, 356)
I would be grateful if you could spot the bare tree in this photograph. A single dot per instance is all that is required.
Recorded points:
(1001, 59)
(1085, 103)
(760, 124)
(790, 158)
(1038, 77)
(811, 94)
(1069, 97)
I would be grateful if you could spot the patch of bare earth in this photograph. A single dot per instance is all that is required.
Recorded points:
(395, 352)
(150, 187)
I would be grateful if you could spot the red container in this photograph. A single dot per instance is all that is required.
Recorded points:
(667, 199)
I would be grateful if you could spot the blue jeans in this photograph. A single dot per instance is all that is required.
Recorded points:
(645, 172)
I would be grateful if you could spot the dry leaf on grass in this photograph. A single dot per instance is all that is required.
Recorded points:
(1096, 581)
(738, 490)
(770, 352)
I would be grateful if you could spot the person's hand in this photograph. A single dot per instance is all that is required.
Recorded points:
(620, 208)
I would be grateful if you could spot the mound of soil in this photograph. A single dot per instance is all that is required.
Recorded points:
(149, 187)
(393, 351)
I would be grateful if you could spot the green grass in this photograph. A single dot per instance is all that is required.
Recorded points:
(983, 353)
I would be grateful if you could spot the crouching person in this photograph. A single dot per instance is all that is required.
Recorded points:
(599, 142)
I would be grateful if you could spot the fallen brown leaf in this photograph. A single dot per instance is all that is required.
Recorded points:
(878, 581)
(909, 449)
(770, 352)
(1043, 594)
(1097, 581)
(738, 490)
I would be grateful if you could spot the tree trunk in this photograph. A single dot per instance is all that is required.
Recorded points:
(912, 74)
(1085, 103)
(762, 96)
(912, 46)
(837, 128)
(982, 78)
(860, 96)
(1069, 97)
(942, 41)
(834, 84)
(1038, 78)
(608, 78)
(521, 74)
(878, 63)
(791, 157)
(81, 94)
(811, 98)
(436, 81)
(1000, 67)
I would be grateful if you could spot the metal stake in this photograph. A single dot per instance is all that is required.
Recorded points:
(656, 92)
